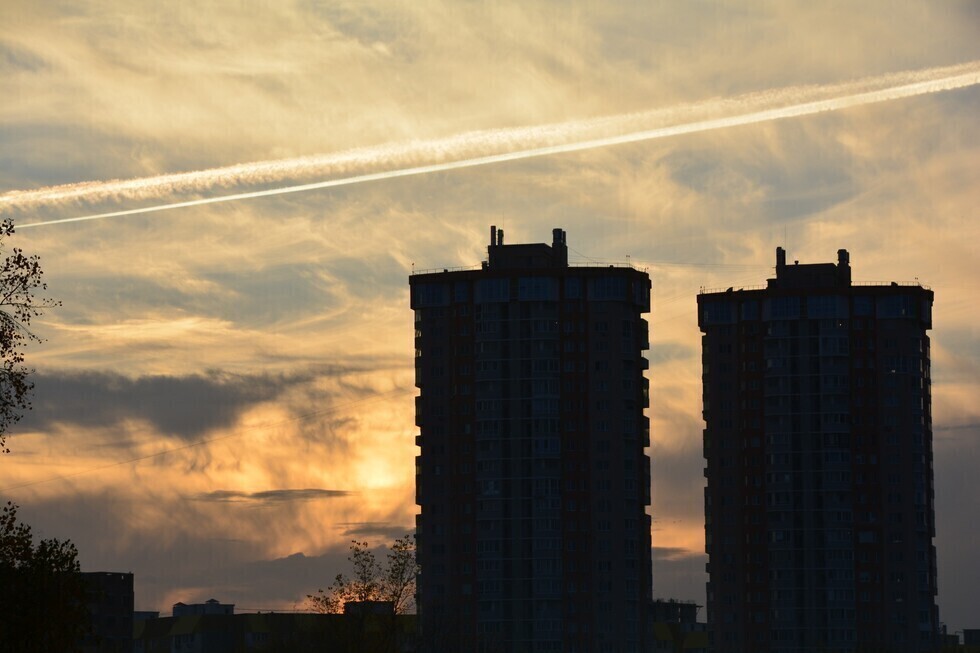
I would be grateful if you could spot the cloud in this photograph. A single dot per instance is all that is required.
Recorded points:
(14, 59)
(276, 294)
(385, 530)
(190, 406)
(673, 554)
(270, 496)
(663, 352)
(180, 406)
(181, 549)
(679, 574)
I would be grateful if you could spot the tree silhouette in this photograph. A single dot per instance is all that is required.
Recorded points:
(42, 593)
(394, 581)
(20, 279)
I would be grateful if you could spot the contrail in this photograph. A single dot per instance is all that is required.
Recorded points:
(497, 145)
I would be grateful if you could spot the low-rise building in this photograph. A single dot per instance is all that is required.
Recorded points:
(268, 632)
(676, 627)
(211, 606)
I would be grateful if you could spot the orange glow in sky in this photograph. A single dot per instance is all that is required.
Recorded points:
(226, 396)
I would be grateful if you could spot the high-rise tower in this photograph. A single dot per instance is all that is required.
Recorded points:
(532, 479)
(818, 440)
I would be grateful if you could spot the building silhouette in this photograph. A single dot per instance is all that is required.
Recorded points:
(211, 606)
(676, 628)
(818, 440)
(109, 601)
(269, 632)
(532, 479)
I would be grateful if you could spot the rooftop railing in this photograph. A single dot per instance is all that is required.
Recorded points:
(571, 264)
(903, 284)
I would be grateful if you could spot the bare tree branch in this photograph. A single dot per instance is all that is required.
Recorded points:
(394, 581)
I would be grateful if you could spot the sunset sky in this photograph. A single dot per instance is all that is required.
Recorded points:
(226, 396)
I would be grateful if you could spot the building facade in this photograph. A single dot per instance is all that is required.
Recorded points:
(268, 632)
(819, 511)
(532, 479)
(109, 600)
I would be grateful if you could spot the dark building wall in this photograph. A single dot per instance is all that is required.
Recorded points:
(818, 441)
(271, 632)
(109, 598)
(532, 479)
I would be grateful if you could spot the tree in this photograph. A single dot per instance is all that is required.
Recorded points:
(20, 279)
(394, 581)
(42, 593)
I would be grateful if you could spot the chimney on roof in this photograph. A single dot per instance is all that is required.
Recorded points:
(843, 267)
(780, 259)
(559, 250)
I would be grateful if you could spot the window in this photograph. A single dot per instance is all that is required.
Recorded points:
(537, 288)
(492, 290)
(718, 312)
(784, 308)
(573, 288)
(607, 288)
(431, 294)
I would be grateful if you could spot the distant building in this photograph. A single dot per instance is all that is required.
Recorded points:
(532, 480)
(109, 598)
(676, 628)
(819, 510)
(140, 615)
(295, 633)
(211, 606)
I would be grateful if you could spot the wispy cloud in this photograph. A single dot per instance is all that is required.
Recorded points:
(673, 554)
(269, 496)
(386, 530)
(498, 145)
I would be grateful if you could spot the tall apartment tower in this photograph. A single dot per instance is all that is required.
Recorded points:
(819, 510)
(532, 479)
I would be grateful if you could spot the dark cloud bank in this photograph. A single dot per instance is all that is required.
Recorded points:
(185, 407)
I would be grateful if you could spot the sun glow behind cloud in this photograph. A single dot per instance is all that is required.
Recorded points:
(357, 447)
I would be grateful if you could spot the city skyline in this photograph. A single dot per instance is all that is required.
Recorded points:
(277, 331)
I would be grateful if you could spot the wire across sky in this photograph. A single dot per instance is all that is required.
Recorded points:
(488, 147)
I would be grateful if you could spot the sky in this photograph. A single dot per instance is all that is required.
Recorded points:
(225, 397)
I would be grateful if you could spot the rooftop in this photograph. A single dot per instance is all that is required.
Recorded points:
(812, 275)
(528, 256)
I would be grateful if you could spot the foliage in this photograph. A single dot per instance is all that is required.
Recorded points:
(20, 278)
(42, 593)
(394, 581)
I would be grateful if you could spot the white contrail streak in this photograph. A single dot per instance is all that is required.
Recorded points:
(483, 148)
